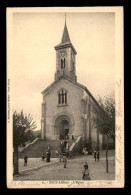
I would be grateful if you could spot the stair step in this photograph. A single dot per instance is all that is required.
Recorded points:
(41, 146)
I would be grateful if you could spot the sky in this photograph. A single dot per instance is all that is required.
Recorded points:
(34, 56)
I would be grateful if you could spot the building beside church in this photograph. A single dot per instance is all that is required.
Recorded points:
(67, 105)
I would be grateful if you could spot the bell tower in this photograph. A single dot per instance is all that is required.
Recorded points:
(65, 57)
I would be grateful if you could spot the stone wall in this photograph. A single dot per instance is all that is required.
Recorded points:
(72, 109)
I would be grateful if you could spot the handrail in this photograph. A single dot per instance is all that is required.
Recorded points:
(31, 143)
(74, 143)
(28, 145)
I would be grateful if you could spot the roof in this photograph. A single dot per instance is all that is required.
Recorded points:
(65, 36)
(65, 41)
(75, 83)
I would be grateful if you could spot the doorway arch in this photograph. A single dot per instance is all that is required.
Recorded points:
(63, 126)
(64, 129)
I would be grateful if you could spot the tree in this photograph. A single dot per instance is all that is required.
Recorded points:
(22, 132)
(104, 121)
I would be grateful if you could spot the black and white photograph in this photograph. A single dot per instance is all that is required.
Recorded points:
(65, 102)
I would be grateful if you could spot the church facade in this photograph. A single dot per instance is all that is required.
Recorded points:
(68, 106)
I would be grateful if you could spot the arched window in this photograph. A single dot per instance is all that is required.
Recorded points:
(62, 97)
(73, 65)
(59, 98)
(63, 63)
(65, 97)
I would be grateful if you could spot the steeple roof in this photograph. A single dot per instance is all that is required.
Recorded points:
(65, 36)
(65, 41)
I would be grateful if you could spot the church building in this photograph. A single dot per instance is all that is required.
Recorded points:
(67, 105)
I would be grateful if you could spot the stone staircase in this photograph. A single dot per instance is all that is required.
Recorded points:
(39, 146)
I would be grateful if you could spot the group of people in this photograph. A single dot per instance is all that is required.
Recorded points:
(64, 148)
(96, 153)
(64, 152)
(48, 154)
(64, 155)
(67, 137)
(85, 152)
(86, 172)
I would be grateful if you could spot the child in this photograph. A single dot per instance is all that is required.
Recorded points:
(43, 157)
(25, 160)
(86, 172)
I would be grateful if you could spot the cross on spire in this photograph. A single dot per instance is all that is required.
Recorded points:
(65, 18)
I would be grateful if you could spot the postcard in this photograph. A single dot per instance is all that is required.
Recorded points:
(65, 97)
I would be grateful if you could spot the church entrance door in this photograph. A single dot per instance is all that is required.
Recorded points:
(63, 126)
(64, 129)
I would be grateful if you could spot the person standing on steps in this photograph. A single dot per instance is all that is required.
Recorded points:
(72, 137)
(67, 137)
(61, 147)
(67, 149)
(64, 145)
